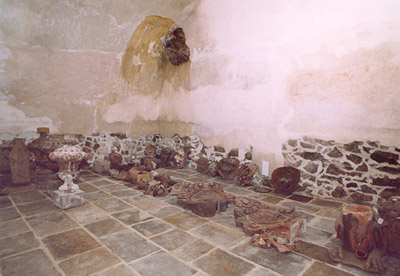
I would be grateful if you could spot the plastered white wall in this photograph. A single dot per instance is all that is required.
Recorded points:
(261, 71)
(265, 71)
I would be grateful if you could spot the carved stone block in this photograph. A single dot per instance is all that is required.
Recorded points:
(246, 173)
(202, 165)
(285, 180)
(204, 199)
(269, 225)
(138, 175)
(228, 168)
(19, 163)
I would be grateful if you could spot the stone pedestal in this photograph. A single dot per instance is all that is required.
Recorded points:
(65, 200)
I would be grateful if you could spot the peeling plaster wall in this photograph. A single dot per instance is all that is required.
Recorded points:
(60, 65)
(261, 72)
(266, 71)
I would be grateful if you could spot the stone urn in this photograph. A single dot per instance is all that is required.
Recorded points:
(68, 159)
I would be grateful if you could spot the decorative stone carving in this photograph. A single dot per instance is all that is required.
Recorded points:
(204, 199)
(19, 163)
(160, 186)
(167, 156)
(228, 168)
(269, 225)
(202, 165)
(285, 180)
(360, 241)
(150, 151)
(246, 173)
(68, 159)
(180, 158)
(115, 160)
(174, 46)
(138, 175)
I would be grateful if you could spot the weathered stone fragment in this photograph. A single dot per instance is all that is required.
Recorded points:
(248, 155)
(306, 145)
(312, 156)
(335, 153)
(333, 169)
(311, 167)
(234, 152)
(362, 168)
(292, 143)
(174, 46)
(339, 192)
(353, 146)
(228, 168)
(246, 173)
(219, 149)
(383, 156)
(368, 190)
(390, 170)
(356, 159)
(386, 181)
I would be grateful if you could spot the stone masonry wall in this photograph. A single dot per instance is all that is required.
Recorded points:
(360, 171)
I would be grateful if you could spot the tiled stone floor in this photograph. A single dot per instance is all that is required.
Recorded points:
(120, 231)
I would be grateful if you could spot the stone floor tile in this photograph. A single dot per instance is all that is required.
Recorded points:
(152, 227)
(22, 188)
(166, 211)
(150, 204)
(299, 206)
(27, 196)
(12, 227)
(125, 193)
(87, 188)
(237, 191)
(128, 245)
(32, 263)
(119, 270)
(112, 188)
(9, 214)
(327, 225)
(5, 202)
(320, 269)
(18, 243)
(300, 198)
(315, 236)
(105, 227)
(271, 199)
(101, 182)
(288, 264)
(134, 198)
(89, 262)
(51, 223)
(37, 207)
(161, 264)
(218, 235)
(193, 250)
(173, 239)
(225, 220)
(328, 213)
(86, 213)
(97, 195)
(90, 177)
(112, 205)
(185, 220)
(70, 243)
(132, 216)
(220, 262)
(327, 203)
(261, 272)
(314, 251)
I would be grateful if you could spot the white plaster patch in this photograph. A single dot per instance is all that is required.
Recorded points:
(14, 120)
(145, 107)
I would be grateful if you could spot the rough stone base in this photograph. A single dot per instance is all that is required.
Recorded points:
(65, 200)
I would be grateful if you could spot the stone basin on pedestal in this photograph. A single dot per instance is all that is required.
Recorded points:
(68, 159)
